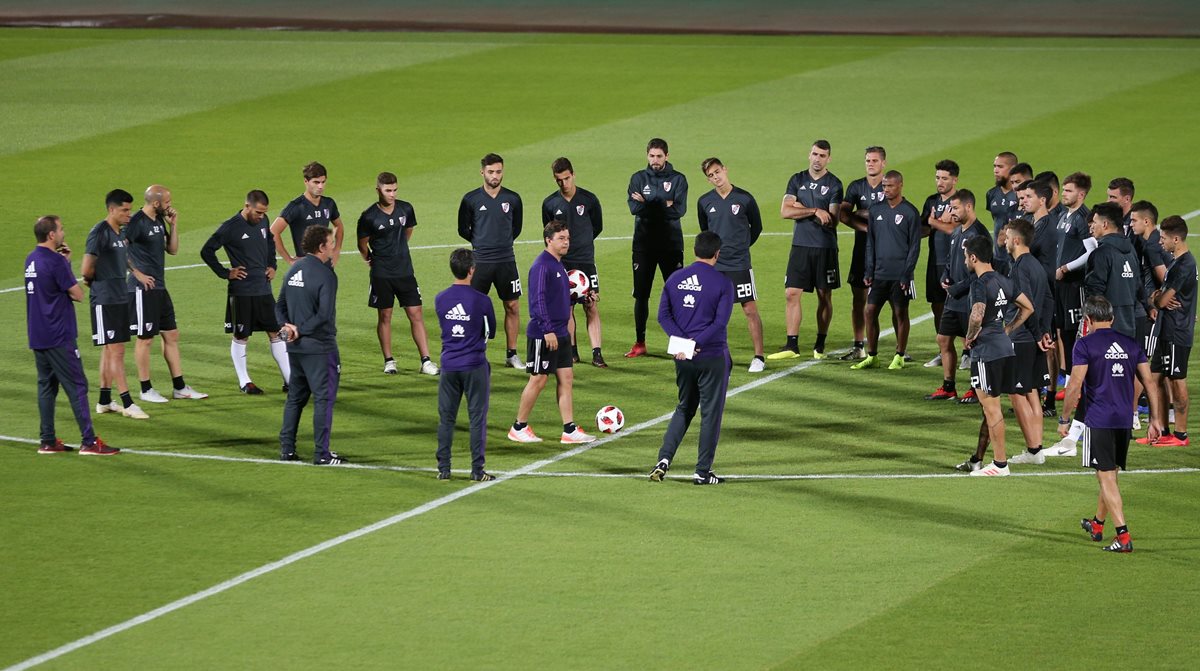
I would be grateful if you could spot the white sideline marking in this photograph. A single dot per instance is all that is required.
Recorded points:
(1191, 215)
(371, 528)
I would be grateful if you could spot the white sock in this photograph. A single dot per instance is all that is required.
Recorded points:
(279, 351)
(1076, 430)
(237, 352)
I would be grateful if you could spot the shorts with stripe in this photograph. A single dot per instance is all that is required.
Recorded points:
(1170, 360)
(541, 360)
(895, 292)
(744, 288)
(1105, 449)
(246, 314)
(110, 324)
(1029, 368)
(993, 378)
(953, 323)
(151, 311)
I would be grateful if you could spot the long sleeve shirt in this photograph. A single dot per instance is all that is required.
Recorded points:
(308, 299)
(696, 303)
(549, 297)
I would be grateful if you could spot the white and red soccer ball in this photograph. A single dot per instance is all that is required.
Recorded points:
(610, 419)
(580, 284)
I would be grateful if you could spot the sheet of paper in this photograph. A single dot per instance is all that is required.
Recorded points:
(686, 345)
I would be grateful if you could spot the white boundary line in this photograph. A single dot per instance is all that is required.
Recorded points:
(371, 528)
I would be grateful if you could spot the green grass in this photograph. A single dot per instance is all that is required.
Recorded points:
(577, 572)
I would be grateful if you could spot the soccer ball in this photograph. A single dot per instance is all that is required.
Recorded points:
(580, 284)
(610, 419)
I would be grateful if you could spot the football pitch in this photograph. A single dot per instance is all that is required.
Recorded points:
(843, 538)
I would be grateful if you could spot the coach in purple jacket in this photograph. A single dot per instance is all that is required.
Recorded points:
(696, 303)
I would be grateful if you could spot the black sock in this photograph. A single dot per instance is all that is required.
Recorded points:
(819, 345)
(146, 386)
(793, 342)
(860, 343)
(1034, 450)
(975, 459)
(1181, 435)
(520, 425)
(178, 382)
(948, 385)
(126, 399)
(1098, 521)
(1123, 529)
(595, 351)
(424, 359)
(900, 353)
(760, 358)
(1000, 464)
(873, 352)
(388, 358)
(510, 353)
(105, 396)
(569, 427)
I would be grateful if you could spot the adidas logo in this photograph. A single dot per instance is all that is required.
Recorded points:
(31, 270)
(245, 236)
(690, 284)
(297, 280)
(483, 208)
(381, 227)
(557, 212)
(1020, 386)
(458, 313)
(689, 301)
(458, 331)
(1126, 271)
(1001, 299)
(309, 217)
(1115, 352)
(712, 210)
(879, 218)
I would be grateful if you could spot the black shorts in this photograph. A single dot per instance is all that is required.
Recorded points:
(150, 312)
(953, 323)
(247, 314)
(386, 291)
(993, 378)
(744, 288)
(644, 265)
(1105, 449)
(110, 324)
(502, 275)
(1144, 329)
(812, 268)
(1029, 369)
(894, 292)
(1170, 360)
(541, 360)
(1068, 305)
(858, 262)
(588, 269)
(934, 293)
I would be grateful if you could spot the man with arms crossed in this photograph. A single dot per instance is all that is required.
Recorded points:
(585, 220)
(937, 221)
(957, 281)
(50, 294)
(309, 208)
(307, 312)
(732, 213)
(861, 194)
(384, 230)
(893, 247)
(1104, 365)
(490, 218)
(104, 265)
(548, 354)
(1176, 303)
(657, 201)
(695, 307)
(1002, 202)
(150, 236)
(468, 323)
(812, 200)
(249, 306)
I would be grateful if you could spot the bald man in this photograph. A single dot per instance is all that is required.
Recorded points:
(149, 236)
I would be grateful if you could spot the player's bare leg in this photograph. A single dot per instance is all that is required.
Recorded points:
(416, 324)
(383, 329)
(512, 322)
(754, 324)
(170, 349)
(1110, 498)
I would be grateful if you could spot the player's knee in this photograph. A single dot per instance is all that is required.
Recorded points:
(792, 294)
